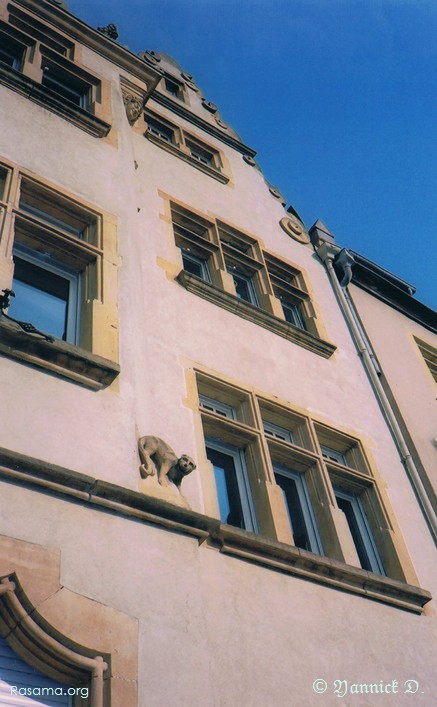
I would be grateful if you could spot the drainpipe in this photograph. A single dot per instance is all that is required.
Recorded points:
(327, 252)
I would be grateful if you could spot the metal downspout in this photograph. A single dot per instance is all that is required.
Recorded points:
(327, 253)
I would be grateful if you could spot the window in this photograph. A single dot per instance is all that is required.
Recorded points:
(160, 130)
(66, 85)
(299, 509)
(184, 145)
(270, 293)
(57, 257)
(174, 88)
(341, 449)
(201, 154)
(63, 272)
(17, 675)
(292, 314)
(192, 238)
(270, 476)
(429, 356)
(233, 491)
(288, 287)
(360, 532)
(272, 430)
(47, 294)
(11, 51)
(217, 407)
(47, 73)
(333, 455)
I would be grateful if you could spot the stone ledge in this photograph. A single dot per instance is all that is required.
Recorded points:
(58, 357)
(44, 96)
(254, 314)
(40, 475)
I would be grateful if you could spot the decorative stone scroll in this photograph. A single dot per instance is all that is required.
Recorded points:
(189, 81)
(220, 123)
(294, 228)
(209, 106)
(150, 56)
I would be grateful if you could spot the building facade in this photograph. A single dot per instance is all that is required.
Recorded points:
(177, 308)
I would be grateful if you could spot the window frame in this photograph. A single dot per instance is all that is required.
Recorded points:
(45, 48)
(184, 145)
(306, 507)
(318, 479)
(277, 432)
(231, 254)
(363, 528)
(80, 240)
(72, 323)
(242, 479)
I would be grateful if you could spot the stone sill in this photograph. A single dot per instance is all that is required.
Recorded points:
(44, 96)
(46, 477)
(65, 360)
(254, 314)
(186, 157)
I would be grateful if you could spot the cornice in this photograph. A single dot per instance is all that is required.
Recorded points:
(254, 314)
(194, 119)
(392, 290)
(101, 495)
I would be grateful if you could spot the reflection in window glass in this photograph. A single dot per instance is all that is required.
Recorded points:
(360, 531)
(46, 298)
(232, 484)
(300, 513)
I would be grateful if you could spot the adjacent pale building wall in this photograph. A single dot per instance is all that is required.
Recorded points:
(396, 339)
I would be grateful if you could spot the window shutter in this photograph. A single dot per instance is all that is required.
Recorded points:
(14, 672)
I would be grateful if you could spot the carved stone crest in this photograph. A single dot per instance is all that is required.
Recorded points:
(133, 106)
(133, 99)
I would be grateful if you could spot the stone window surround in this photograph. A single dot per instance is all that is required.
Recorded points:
(221, 290)
(429, 355)
(60, 52)
(93, 363)
(304, 456)
(43, 647)
(180, 149)
(99, 495)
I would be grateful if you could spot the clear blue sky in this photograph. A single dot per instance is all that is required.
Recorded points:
(338, 97)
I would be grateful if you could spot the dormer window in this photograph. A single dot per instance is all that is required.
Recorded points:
(174, 88)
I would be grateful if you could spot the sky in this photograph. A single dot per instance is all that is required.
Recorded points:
(338, 98)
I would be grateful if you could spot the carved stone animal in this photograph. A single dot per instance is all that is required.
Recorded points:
(158, 457)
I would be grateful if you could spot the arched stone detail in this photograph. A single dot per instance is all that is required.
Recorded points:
(38, 643)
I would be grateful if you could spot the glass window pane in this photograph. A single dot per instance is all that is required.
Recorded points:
(195, 265)
(333, 455)
(14, 672)
(66, 85)
(244, 287)
(292, 314)
(11, 52)
(41, 297)
(3, 178)
(228, 494)
(347, 508)
(295, 513)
